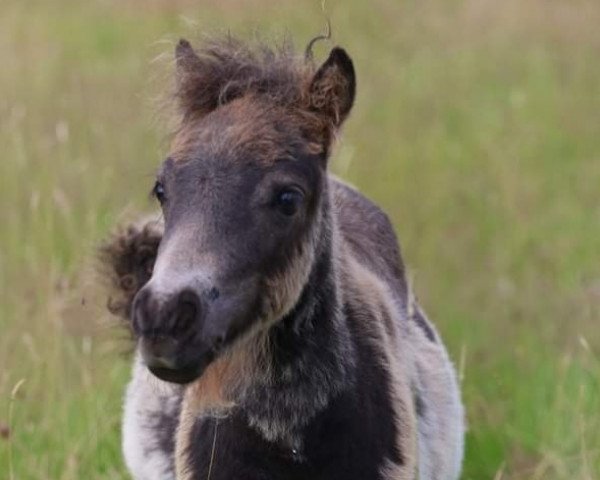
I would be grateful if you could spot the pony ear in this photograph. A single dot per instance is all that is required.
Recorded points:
(197, 87)
(126, 260)
(184, 52)
(333, 87)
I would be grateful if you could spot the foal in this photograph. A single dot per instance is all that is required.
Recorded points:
(275, 334)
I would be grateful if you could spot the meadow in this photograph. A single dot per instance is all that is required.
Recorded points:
(476, 127)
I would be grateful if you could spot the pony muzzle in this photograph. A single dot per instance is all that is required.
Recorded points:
(171, 334)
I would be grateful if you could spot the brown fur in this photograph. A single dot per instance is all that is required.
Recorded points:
(248, 133)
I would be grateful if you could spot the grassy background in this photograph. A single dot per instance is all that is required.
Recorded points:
(477, 127)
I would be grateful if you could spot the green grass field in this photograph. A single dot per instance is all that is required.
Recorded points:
(477, 128)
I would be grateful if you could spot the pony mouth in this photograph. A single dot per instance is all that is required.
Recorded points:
(182, 361)
(181, 376)
(180, 369)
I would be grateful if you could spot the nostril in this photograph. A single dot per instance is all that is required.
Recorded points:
(139, 311)
(185, 316)
(188, 311)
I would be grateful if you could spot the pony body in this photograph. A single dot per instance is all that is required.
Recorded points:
(319, 363)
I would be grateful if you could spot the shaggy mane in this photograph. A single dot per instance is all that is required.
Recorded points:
(225, 68)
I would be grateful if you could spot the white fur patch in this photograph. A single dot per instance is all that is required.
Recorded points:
(147, 400)
(441, 426)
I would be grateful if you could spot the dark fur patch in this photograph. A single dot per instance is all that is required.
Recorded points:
(165, 425)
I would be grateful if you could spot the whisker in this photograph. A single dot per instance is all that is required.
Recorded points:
(212, 453)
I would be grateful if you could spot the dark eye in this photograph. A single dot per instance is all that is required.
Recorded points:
(159, 192)
(288, 201)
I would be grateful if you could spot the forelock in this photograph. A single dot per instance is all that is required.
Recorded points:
(225, 68)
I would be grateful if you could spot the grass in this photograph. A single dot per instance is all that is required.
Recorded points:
(477, 127)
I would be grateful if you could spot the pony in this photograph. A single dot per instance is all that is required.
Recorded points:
(276, 336)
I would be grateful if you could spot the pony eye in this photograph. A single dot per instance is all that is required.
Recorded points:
(288, 201)
(159, 192)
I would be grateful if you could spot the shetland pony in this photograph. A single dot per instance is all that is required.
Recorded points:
(276, 336)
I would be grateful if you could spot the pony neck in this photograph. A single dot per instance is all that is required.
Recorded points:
(310, 356)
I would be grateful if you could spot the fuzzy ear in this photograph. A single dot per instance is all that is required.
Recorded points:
(332, 89)
(184, 52)
(197, 87)
(126, 261)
